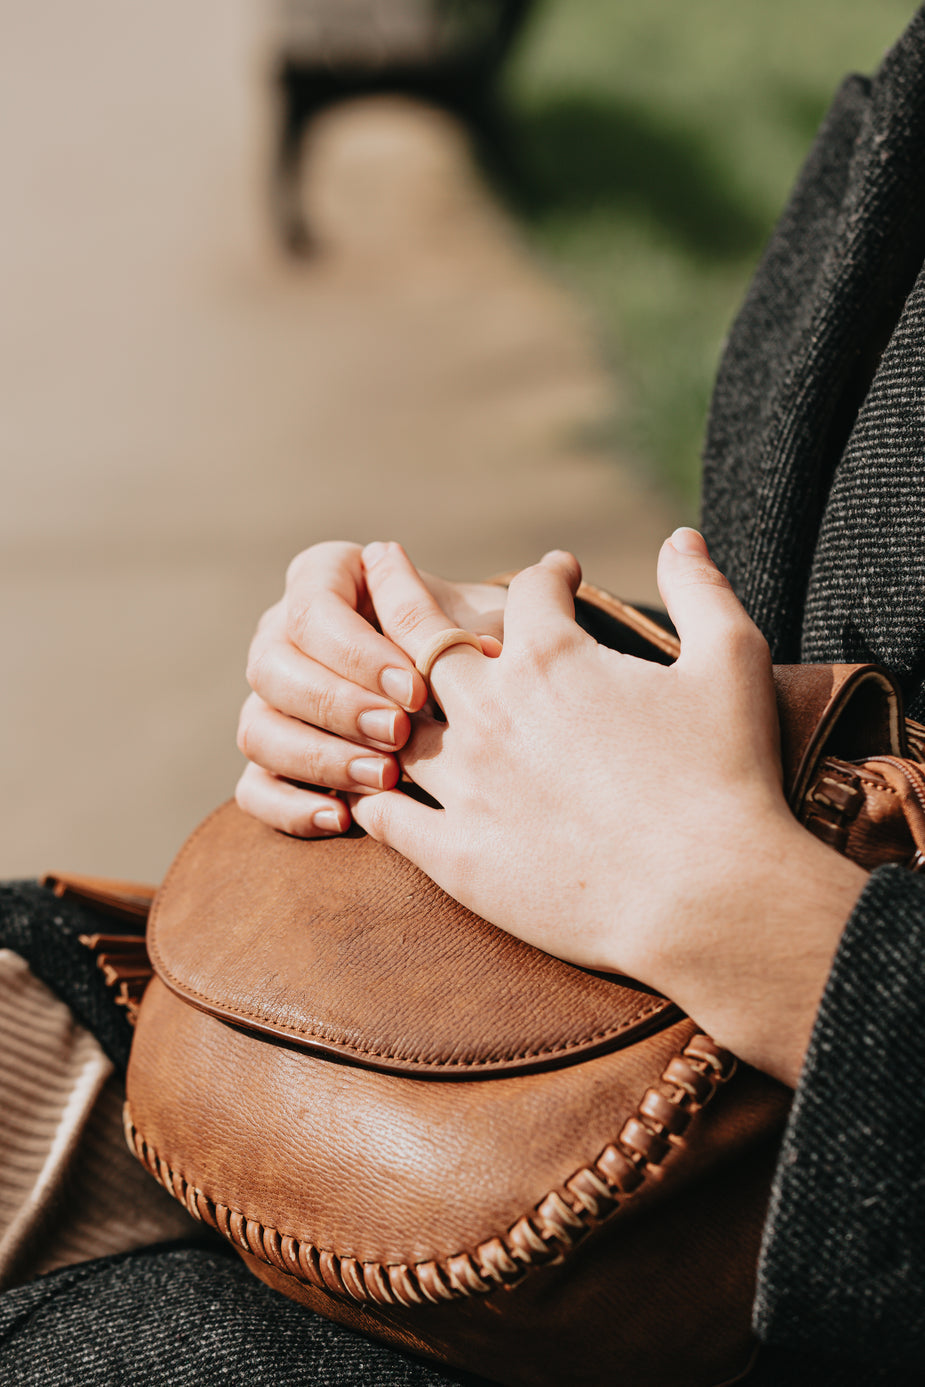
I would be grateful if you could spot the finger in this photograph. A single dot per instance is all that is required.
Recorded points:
(302, 688)
(476, 607)
(714, 627)
(294, 809)
(411, 828)
(541, 602)
(326, 618)
(287, 747)
(427, 758)
(410, 616)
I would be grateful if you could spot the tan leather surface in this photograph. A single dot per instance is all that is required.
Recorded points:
(873, 810)
(401, 1170)
(385, 1167)
(442, 1109)
(123, 900)
(661, 1300)
(353, 951)
(849, 711)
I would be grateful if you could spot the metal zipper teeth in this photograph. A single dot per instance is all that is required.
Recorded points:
(916, 780)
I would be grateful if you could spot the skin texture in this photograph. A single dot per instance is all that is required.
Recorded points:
(321, 677)
(567, 814)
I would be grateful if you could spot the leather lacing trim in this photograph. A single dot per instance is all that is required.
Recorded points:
(551, 1229)
(123, 960)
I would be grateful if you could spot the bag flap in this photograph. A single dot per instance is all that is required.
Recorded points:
(848, 711)
(344, 948)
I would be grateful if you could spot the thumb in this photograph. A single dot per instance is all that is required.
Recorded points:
(709, 618)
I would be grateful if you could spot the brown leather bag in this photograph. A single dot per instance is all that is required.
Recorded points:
(437, 1135)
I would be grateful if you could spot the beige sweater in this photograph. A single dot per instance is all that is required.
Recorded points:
(69, 1189)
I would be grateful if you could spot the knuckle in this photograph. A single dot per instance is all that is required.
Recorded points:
(299, 564)
(496, 721)
(315, 625)
(273, 618)
(255, 669)
(352, 661)
(375, 816)
(319, 557)
(243, 739)
(741, 633)
(247, 737)
(406, 616)
(743, 644)
(702, 574)
(534, 661)
(301, 620)
(461, 867)
(522, 579)
(298, 819)
(326, 707)
(304, 562)
(308, 767)
(243, 794)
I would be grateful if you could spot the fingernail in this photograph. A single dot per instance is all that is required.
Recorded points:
(378, 724)
(373, 552)
(397, 684)
(688, 541)
(368, 770)
(327, 820)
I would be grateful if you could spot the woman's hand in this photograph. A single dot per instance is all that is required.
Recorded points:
(617, 813)
(332, 696)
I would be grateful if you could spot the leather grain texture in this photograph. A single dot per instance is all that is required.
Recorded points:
(354, 953)
(384, 1167)
(851, 711)
(420, 1127)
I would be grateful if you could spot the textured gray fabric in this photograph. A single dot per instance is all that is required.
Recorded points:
(167, 1315)
(867, 584)
(813, 504)
(803, 352)
(844, 1262)
(182, 1316)
(45, 932)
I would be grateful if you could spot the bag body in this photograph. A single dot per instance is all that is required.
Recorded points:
(435, 1134)
(447, 1138)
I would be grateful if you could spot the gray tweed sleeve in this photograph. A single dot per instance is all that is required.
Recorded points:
(843, 1264)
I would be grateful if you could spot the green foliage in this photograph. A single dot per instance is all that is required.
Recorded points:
(658, 142)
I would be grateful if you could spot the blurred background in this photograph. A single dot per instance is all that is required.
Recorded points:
(455, 273)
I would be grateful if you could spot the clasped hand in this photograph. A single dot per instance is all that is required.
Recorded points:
(617, 813)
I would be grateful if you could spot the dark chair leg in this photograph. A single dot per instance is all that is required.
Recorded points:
(286, 209)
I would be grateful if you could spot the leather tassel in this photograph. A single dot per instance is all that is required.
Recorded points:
(128, 901)
(123, 960)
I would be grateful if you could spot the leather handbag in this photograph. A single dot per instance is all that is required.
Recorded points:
(437, 1135)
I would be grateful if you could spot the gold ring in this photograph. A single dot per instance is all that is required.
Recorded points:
(440, 643)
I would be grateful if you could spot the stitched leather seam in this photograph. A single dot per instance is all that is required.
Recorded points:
(545, 1233)
(563, 1048)
(246, 1013)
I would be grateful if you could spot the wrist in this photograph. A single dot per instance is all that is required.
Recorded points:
(762, 938)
